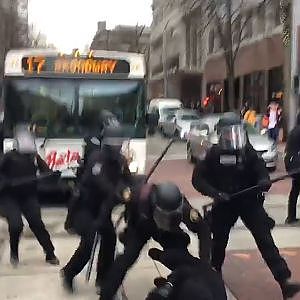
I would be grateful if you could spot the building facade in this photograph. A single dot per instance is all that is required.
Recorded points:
(200, 68)
(122, 38)
(174, 71)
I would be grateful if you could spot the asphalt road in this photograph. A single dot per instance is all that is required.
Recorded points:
(177, 169)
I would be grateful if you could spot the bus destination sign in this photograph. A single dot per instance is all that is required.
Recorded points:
(38, 65)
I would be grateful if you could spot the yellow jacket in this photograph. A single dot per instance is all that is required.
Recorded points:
(250, 117)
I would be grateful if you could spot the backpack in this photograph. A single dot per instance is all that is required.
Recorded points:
(265, 121)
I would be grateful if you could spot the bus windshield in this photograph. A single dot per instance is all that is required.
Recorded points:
(70, 108)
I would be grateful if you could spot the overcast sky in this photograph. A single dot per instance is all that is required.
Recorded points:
(72, 24)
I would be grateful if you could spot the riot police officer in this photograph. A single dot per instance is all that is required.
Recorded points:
(229, 167)
(20, 163)
(191, 278)
(155, 211)
(105, 176)
(292, 162)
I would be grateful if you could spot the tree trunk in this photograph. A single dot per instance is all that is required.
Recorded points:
(231, 89)
(229, 56)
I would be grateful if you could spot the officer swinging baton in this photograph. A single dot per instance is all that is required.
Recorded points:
(257, 187)
(97, 236)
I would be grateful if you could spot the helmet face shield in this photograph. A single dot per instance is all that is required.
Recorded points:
(167, 220)
(25, 141)
(232, 138)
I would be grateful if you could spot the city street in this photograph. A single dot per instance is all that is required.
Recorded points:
(245, 273)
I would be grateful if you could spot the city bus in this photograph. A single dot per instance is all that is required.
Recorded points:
(62, 96)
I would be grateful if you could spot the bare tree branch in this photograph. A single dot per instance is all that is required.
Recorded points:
(241, 37)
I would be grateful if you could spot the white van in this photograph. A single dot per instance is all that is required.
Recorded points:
(164, 107)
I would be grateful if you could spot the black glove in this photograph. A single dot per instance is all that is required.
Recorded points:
(4, 185)
(161, 292)
(265, 184)
(57, 174)
(99, 225)
(222, 197)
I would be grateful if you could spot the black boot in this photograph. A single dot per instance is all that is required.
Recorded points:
(292, 221)
(289, 289)
(98, 285)
(67, 281)
(14, 259)
(52, 259)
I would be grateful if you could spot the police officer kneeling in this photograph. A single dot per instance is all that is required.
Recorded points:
(19, 164)
(229, 167)
(156, 212)
(191, 278)
(105, 177)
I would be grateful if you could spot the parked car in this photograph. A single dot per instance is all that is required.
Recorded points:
(204, 135)
(163, 107)
(180, 123)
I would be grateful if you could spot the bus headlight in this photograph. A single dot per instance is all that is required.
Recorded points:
(133, 167)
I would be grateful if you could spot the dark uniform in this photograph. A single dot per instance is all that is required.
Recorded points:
(191, 278)
(105, 176)
(292, 162)
(226, 171)
(22, 200)
(156, 213)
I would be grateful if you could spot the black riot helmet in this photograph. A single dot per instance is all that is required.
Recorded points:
(24, 140)
(112, 141)
(167, 203)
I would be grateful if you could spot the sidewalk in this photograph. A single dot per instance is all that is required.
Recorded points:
(28, 281)
(33, 276)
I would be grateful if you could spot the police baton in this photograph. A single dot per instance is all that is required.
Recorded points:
(156, 163)
(258, 186)
(91, 261)
(26, 180)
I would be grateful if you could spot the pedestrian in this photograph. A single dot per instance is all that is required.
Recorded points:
(105, 177)
(21, 163)
(292, 162)
(274, 114)
(229, 167)
(250, 116)
(244, 109)
(156, 213)
(190, 279)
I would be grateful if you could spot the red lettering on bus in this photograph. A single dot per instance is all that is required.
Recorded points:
(53, 159)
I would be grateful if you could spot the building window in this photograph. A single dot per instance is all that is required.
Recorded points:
(211, 41)
(261, 14)
(249, 25)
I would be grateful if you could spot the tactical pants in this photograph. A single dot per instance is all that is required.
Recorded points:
(135, 239)
(85, 227)
(12, 209)
(253, 215)
(292, 206)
